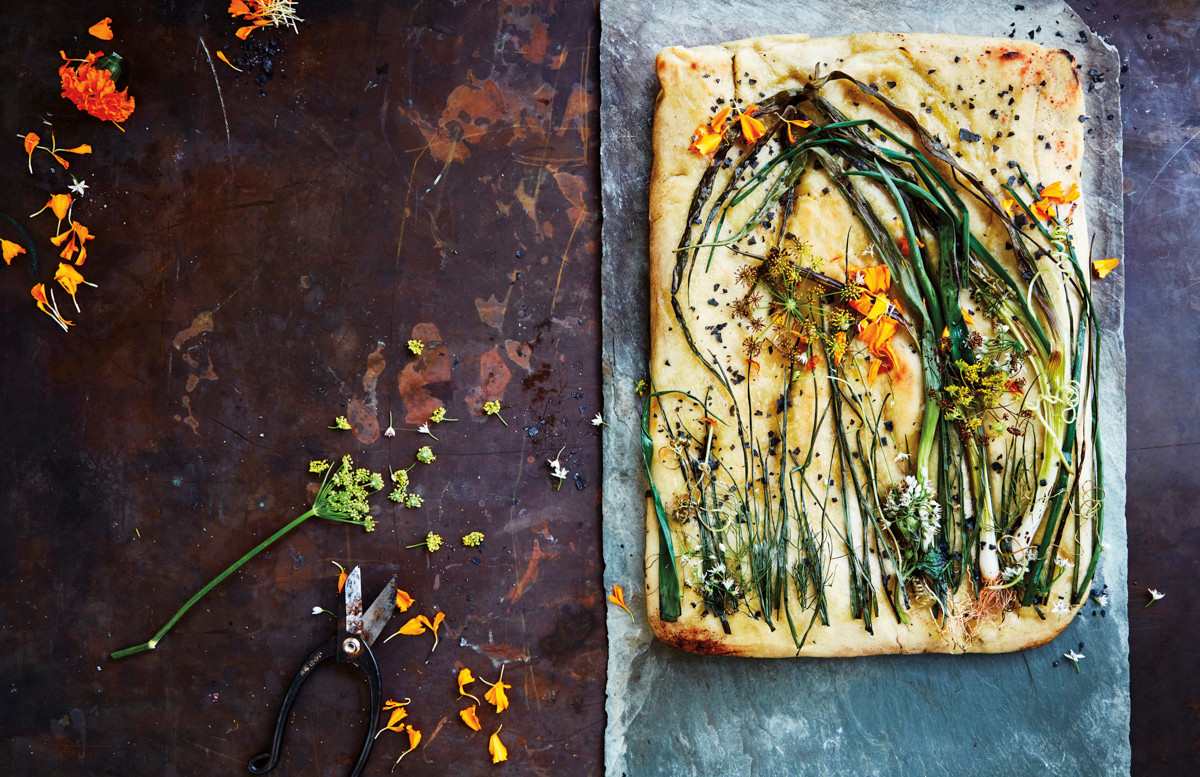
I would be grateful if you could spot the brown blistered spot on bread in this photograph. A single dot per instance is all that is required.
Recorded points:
(693, 640)
(1011, 55)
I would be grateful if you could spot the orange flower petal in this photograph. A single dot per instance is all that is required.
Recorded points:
(414, 626)
(878, 308)
(10, 249)
(221, 56)
(403, 600)
(877, 278)
(1101, 266)
(31, 142)
(238, 8)
(244, 31)
(967, 317)
(718, 122)
(84, 149)
(1053, 191)
(465, 678)
(101, 29)
(496, 694)
(706, 142)
(497, 749)
(1008, 206)
(39, 294)
(470, 718)
(414, 738)
(617, 597)
(1044, 209)
(70, 250)
(59, 205)
(752, 128)
(341, 577)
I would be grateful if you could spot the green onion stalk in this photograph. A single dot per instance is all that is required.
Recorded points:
(342, 497)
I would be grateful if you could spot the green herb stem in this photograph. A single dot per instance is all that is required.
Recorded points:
(153, 641)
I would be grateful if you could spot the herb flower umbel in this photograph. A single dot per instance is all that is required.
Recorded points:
(342, 497)
(493, 408)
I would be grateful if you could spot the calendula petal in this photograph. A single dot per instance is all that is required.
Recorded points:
(470, 718)
(31, 142)
(239, 8)
(221, 56)
(11, 250)
(877, 278)
(1101, 266)
(403, 600)
(414, 626)
(83, 149)
(101, 29)
(497, 749)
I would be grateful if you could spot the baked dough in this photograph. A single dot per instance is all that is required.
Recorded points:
(758, 484)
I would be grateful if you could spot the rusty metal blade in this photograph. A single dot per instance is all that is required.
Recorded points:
(354, 602)
(380, 612)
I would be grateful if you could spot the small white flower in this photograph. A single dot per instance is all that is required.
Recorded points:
(598, 420)
(1101, 600)
(1105, 546)
(1154, 596)
(1063, 563)
(390, 432)
(1074, 658)
(317, 611)
(901, 457)
(1061, 607)
(78, 187)
(424, 429)
(870, 251)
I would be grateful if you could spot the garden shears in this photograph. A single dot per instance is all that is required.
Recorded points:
(357, 631)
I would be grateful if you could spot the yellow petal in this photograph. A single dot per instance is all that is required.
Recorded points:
(465, 678)
(497, 749)
(967, 317)
(414, 626)
(1101, 266)
(1008, 206)
(470, 718)
(414, 738)
(84, 149)
(877, 278)
(879, 308)
(403, 600)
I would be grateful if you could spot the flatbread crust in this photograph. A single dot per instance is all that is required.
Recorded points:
(1024, 103)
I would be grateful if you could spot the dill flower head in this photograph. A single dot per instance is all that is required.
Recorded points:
(343, 495)
(473, 539)
(433, 541)
(491, 408)
(425, 455)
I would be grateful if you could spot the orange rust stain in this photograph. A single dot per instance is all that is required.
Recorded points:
(573, 189)
(491, 311)
(201, 324)
(556, 63)
(543, 529)
(531, 573)
(440, 144)
(432, 366)
(535, 50)
(518, 353)
(363, 413)
(528, 201)
(493, 380)
(191, 418)
(507, 653)
(579, 105)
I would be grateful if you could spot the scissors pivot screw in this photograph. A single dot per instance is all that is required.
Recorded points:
(351, 646)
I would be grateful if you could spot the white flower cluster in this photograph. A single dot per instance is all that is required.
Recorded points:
(914, 508)
(716, 578)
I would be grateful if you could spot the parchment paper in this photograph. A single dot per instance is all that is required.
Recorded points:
(671, 713)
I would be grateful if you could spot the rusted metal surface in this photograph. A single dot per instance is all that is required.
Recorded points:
(263, 253)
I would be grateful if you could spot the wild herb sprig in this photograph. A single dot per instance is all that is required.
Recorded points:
(343, 497)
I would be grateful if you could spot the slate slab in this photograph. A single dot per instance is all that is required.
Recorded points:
(671, 713)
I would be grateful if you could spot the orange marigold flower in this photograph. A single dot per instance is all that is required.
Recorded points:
(101, 29)
(705, 141)
(470, 718)
(496, 748)
(878, 337)
(10, 249)
(31, 143)
(877, 278)
(403, 600)
(496, 695)
(91, 85)
(752, 128)
(1101, 266)
(617, 597)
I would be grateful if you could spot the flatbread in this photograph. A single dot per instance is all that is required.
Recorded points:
(719, 411)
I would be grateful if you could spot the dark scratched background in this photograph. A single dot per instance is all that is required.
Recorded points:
(267, 242)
